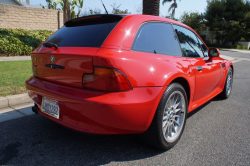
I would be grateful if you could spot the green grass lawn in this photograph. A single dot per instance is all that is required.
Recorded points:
(13, 75)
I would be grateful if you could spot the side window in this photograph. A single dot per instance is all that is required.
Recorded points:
(188, 41)
(203, 47)
(158, 38)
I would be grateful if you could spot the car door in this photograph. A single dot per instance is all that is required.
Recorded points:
(207, 70)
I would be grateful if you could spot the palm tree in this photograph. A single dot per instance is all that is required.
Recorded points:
(151, 7)
(72, 11)
(66, 9)
(52, 4)
(79, 6)
(49, 2)
(172, 7)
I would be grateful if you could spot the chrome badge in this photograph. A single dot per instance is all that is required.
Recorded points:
(52, 59)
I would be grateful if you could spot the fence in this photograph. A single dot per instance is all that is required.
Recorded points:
(30, 18)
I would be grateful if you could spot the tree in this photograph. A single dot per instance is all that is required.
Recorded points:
(72, 12)
(192, 19)
(247, 32)
(91, 11)
(66, 10)
(172, 7)
(151, 7)
(52, 4)
(68, 7)
(79, 6)
(116, 10)
(228, 18)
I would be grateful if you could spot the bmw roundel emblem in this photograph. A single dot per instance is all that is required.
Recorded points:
(52, 59)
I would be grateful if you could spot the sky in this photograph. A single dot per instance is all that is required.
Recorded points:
(133, 5)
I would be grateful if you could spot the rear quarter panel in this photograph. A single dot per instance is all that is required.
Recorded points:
(145, 69)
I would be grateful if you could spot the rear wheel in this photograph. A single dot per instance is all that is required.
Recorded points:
(228, 85)
(169, 120)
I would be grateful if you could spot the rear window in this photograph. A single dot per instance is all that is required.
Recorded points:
(83, 33)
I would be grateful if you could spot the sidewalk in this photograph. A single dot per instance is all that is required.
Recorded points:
(15, 58)
(236, 50)
(9, 101)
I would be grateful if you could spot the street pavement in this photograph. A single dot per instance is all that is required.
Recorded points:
(216, 134)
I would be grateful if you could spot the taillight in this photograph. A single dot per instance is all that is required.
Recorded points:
(106, 79)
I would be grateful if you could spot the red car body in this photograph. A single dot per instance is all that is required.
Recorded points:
(123, 112)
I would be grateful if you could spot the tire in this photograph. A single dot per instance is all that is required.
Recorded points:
(169, 120)
(228, 85)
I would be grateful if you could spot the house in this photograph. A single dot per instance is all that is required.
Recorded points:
(12, 2)
(208, 36)
(25, 3)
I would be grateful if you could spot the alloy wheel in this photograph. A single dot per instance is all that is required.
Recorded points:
(173, 116)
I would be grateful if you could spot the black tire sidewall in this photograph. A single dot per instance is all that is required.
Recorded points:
(225, 86)
(171, 89)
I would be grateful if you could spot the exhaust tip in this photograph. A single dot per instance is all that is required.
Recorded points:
(35, 109)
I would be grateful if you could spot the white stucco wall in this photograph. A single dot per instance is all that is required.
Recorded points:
(247, 44)
(9, 2)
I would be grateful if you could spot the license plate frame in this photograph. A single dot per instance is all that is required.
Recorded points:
(50, 107)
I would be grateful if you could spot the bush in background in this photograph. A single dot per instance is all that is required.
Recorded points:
(20, 41)
(221, 46)
(242, 47)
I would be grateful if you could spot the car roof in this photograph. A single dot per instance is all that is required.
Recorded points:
(156, 18)
(123, 34)
(138, 16)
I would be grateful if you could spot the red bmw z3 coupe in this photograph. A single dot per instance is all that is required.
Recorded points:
(126, 74)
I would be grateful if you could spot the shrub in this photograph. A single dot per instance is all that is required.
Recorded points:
(20, 41)
(221, 46)
(242, 47)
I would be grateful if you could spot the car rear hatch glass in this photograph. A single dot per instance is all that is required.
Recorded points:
(70, 55)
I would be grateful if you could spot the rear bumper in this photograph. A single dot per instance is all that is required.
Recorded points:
(99, 112)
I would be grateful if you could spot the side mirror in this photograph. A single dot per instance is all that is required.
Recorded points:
(214, 52)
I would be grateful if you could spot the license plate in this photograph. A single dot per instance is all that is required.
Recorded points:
(50, 107)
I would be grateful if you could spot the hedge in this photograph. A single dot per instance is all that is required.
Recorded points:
(221, 46)
(242, 47)
(20, 41)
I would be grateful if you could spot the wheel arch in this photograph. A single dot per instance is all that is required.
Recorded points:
(232, 66)
(183, 82)
(185, 85)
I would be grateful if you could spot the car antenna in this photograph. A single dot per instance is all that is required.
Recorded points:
(105, 8)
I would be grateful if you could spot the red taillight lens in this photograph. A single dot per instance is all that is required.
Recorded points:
(106, 79)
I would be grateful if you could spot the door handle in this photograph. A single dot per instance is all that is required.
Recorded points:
(199, 68)
(223, 65)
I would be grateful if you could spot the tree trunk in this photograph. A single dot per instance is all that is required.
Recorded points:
(66, 11)
(151, 7)
(78, 14)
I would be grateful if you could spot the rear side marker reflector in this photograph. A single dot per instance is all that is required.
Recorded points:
(106, 79)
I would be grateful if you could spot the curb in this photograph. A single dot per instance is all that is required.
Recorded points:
(9, 101)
